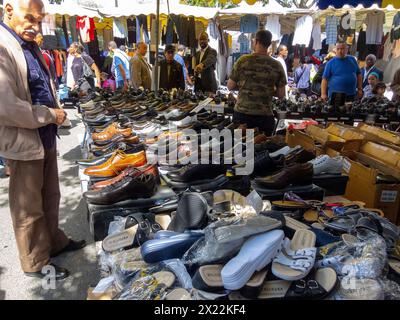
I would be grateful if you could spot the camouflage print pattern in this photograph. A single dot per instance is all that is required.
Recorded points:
(257, 77)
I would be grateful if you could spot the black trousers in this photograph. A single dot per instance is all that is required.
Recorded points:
(263, 123)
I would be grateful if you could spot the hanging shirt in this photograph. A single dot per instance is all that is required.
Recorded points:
(131, 26)
(244, 44)
(86, 27)
(49, 25)
(316, 36)
(302, 34)
(331, 28)
(120, 28)
(249, 23)
(375, 22)
(274, 27)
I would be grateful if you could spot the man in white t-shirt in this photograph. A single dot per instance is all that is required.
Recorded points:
(281, 57)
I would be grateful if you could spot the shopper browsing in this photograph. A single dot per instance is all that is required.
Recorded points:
(171, 72)
(82, 65)
(29, 115)
(370, 61)
(372, 81)
(342, 75)
(120, 66)
(140, 68)
(179, 57)
(206, 60)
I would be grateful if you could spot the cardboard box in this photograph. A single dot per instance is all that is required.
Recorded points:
(341, 131)
(316, 139)
(379, 135)
(363, 184)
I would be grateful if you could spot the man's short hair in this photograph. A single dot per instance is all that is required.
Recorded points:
(181, 47)
(264, 37)
(281, 47)
(112, 45)
(342, 42)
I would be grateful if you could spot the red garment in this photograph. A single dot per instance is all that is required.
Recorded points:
(58, 63)
(315, 60)
(46, 56)
(86, 27)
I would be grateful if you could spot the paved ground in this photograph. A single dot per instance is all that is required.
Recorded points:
(73, 220)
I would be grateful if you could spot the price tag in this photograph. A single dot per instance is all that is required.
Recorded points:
(388, 196)
(358, 120)
(346, 166)
(383, 118)
(394, 122)
(255, 201)
(320, 120)
(345, 119)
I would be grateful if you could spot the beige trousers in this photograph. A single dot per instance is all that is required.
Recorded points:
(34, 197)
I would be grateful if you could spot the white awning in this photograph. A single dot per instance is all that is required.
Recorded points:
(146, 7)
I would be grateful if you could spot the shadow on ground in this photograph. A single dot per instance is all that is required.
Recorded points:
(82, 264)
(2, 292)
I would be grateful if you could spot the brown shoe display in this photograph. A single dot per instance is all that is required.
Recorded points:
(296, 173)
(146, 169)
(299, 156)
(116, 164)
(111, 131)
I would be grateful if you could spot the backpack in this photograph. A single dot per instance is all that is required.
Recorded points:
(87, 71)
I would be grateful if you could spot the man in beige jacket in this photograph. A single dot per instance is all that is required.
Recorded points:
(29, 115)
(140, 68)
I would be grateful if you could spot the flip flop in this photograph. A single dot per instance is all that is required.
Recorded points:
(208, 278)
(346, 222)
(178, 294)
(257, 252)
(317, 216)
(254, 286)
(289, 205)
(297, 258)
(120, 240)
(394, 265)
(317, 287)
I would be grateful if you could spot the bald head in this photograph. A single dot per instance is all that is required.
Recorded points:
(203, 40)
(24, 17)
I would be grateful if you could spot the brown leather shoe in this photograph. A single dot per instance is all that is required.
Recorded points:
(111, 131)
(299, 156)
(117, 163)
(296, 173)
(146, 169)
(260, 138)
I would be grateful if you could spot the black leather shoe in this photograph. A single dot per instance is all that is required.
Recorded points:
(264, 164)
(135, 185)
(71, 246)
(60, 273)
(195, 172)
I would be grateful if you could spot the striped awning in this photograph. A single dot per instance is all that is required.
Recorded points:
(324, 4)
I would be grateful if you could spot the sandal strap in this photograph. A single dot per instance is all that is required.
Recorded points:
(298, 264)
(306, 253)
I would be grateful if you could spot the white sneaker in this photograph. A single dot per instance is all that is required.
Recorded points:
(326, 164)
(284, 151)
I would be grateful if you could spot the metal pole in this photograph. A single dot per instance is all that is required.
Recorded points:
(157, 45)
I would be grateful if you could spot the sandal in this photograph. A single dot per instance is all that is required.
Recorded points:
(315, 287)
(297, 257)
